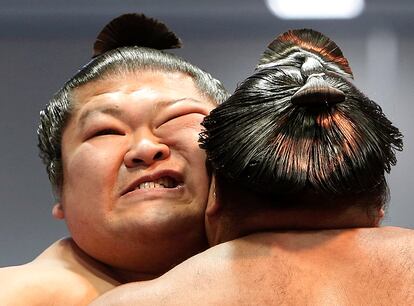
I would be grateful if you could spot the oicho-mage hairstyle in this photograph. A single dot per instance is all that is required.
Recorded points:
(299, 125)
(129, 43)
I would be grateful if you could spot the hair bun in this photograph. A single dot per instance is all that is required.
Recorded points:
(302, 42)
(135, 30)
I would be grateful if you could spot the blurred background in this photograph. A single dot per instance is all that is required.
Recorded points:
(43, 43)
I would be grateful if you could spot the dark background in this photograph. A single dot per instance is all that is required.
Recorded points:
(42, 44)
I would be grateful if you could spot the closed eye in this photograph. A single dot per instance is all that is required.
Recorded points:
(182, 116)
(107, 132)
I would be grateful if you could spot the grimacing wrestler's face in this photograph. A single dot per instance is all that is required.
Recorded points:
(135, 184)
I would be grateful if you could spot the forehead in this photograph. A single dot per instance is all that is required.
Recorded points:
(155, 85)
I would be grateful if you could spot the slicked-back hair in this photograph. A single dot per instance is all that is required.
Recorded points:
(260, 140)
(112, 63)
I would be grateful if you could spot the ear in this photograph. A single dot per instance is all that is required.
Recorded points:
(381, 214)
(58, 212)
(213, 204)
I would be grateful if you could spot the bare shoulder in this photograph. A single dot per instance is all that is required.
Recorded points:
(399, 243)
(393, 231)
(397, 239)
(42, 284)
(47, 280)
(185, 284)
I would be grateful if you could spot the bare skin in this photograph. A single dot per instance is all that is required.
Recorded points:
(264, 258)
(134, 192)
(62, 265)
(368, 266)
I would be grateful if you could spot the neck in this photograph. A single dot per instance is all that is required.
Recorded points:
(125, 276)
(228, 226)
(96, 269)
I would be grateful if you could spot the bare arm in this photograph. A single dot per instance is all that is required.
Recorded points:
(33, 285)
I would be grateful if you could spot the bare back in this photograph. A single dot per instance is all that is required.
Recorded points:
(332, 267)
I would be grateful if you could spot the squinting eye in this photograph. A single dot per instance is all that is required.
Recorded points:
(171, 119)
(107, 132)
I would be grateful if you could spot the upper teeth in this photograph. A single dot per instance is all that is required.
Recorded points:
(164, 182)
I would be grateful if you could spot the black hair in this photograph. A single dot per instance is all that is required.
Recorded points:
(298, 126)
(112, 57)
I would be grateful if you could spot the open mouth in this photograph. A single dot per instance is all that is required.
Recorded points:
(163, 182)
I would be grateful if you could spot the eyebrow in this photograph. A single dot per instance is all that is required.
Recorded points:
(114, 110)
(165, 104)
(104, 109)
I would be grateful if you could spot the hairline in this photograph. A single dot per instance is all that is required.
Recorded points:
(108, 75)
(61, 107)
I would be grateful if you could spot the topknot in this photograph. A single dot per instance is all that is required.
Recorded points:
(302, 42)
(135, 30)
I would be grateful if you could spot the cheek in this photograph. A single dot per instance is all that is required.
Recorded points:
(89, 172)
(185, 142)
(195, 158)
(185, 134)
(86, 162)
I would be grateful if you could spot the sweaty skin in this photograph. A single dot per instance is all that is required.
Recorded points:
(371, 266)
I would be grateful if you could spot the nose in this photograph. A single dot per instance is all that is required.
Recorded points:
(146, 152)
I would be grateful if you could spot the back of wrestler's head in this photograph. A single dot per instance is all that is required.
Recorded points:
(298, 134)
